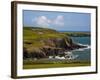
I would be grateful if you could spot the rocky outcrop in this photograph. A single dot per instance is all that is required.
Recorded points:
(52, 47)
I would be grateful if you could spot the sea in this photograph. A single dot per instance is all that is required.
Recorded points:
(83, 53)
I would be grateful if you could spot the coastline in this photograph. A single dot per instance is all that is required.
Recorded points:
(40, 43)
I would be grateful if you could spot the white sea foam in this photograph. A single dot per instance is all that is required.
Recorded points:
(82, 49)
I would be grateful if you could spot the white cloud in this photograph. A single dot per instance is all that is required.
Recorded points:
(59, 20)
(43, 21)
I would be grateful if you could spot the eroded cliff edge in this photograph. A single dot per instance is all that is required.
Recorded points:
(44, 42)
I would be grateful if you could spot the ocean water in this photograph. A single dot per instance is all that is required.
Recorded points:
(85, 53)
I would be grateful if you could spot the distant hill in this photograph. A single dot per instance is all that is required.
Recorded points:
(78, 34)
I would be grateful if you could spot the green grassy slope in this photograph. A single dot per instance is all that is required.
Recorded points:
(33, 36)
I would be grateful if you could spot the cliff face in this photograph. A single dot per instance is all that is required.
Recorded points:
(42, 43)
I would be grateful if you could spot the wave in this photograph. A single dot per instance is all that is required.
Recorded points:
(82, 49)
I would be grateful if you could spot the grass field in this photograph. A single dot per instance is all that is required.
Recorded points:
(35, 66)
(53, 64)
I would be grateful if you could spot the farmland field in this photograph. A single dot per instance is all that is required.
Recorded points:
(45, 63)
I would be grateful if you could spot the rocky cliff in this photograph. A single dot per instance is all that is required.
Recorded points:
(43, 42)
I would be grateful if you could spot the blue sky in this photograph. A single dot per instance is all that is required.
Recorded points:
(61, 21)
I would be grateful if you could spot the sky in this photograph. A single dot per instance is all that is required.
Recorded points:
(61, 21)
